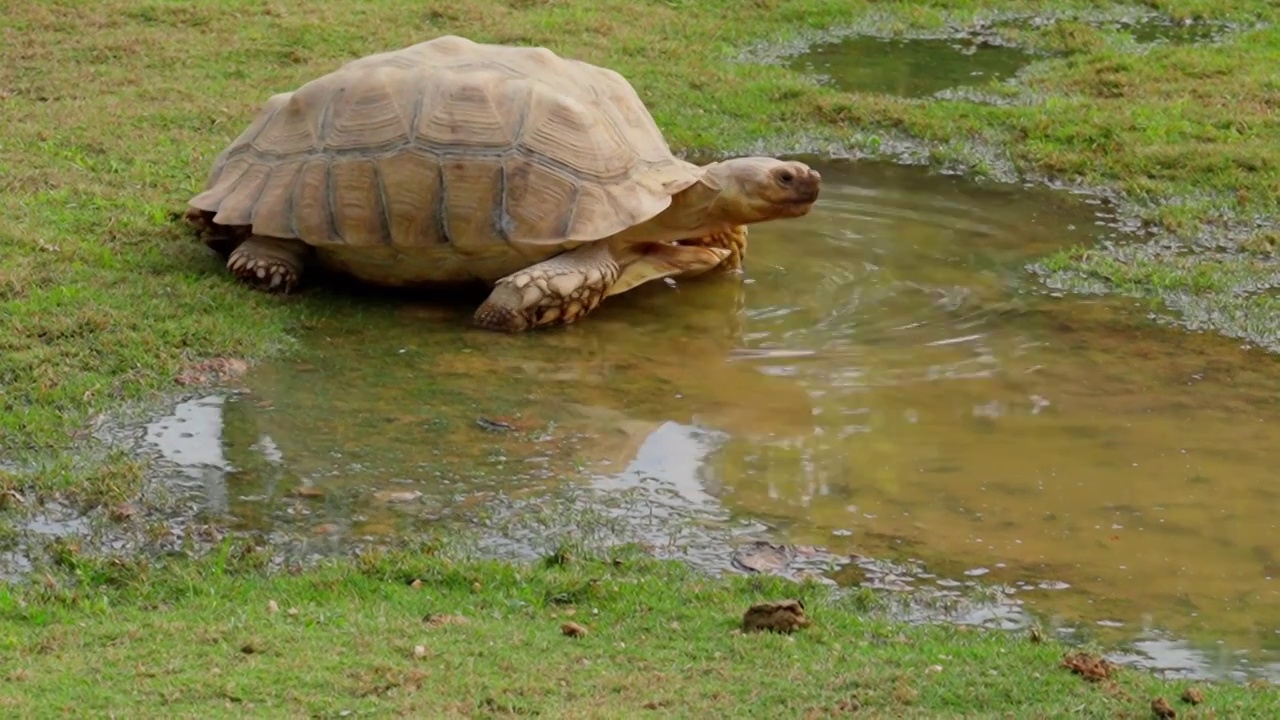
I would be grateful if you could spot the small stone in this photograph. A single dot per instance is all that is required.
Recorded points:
(573, 630)
(419, 651)
(397, 496)
(293, 612)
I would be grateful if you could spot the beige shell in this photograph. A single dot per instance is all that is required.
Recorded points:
(448, 144)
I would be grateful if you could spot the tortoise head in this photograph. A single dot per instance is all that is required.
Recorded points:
(756, 189)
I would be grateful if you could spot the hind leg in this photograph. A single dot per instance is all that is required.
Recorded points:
(271, 264)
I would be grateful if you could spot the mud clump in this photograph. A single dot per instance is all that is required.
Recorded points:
(212, 371)
(1090, 667)
(1193, 696)
(1162, 709)
(784, 616)
(573, 630)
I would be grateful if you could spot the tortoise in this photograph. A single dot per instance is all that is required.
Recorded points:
(451, 161)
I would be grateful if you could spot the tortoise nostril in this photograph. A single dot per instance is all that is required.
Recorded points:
(786, 177)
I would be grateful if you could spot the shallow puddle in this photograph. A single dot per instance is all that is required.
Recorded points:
(1152, 30)
(883, 383)
(910, 67)
(924, 67)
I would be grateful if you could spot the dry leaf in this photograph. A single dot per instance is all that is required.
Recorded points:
(438, 620)
(573, 630)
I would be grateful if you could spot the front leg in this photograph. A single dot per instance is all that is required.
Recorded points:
(555, 291)
(734, 240)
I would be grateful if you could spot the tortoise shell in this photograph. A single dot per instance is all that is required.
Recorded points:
(448, 145)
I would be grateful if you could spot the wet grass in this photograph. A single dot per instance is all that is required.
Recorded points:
(113, 112)
(221, 636)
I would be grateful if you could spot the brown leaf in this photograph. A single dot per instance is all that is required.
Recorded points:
(573, 630)
(1163, 709)
(1193, 696)
(436, 620)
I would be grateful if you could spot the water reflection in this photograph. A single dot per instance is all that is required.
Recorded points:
(882, 383)
(912, 67)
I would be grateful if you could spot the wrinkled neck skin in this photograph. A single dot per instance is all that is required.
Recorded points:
(693, 213)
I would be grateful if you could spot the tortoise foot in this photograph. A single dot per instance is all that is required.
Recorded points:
(267, 264)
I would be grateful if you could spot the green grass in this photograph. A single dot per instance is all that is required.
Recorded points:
(113, 112)
(200, 638)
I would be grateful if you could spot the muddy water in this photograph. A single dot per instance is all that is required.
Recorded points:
(885, 382)
(911, 67)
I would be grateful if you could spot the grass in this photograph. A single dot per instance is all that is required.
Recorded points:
(220, 636)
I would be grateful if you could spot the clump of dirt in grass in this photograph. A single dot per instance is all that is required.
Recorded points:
(573, 630)
(1163, 709)
(214, 370)
(1088, 666)
(784, 616)
(1193, 696)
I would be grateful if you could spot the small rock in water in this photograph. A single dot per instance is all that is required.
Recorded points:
(762, 557)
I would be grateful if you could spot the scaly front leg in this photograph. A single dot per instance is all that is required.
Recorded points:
(734, 240)
(558, 290)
